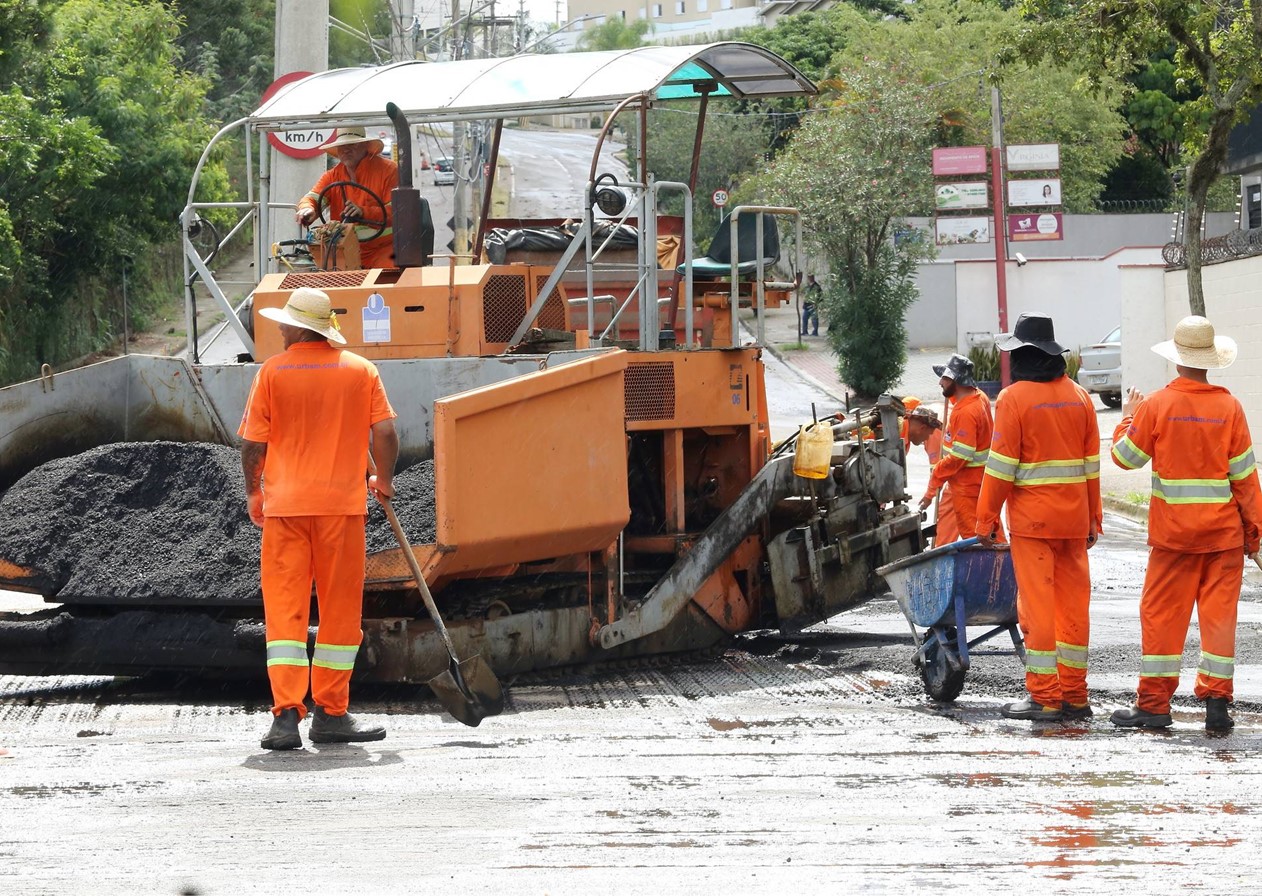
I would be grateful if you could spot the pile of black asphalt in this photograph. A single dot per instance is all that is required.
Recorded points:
(161, 523)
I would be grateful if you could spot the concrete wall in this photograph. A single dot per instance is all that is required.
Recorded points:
(1075, 280)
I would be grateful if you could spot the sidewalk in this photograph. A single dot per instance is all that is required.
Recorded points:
(1125, 491)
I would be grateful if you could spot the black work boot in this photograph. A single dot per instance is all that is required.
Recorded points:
(1074, 712)
(1134, 717)
(1028, 709)
(283, 735)
(343, 729)
(1216, 716)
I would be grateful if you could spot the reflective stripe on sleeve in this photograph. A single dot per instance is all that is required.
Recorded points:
(1127, 454)
(1191, 491)
(286, 653)
(967, 453)
(1000, 466)
(1071, 655)
(1215, 666)
(1093, 466)
(1160, 665)
(1040, 662)
(1240, 467)
(334, 656)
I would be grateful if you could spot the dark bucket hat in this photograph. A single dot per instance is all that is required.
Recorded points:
(1032, 329)
(958, 368)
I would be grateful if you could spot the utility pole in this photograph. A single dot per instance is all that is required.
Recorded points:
(402, 39)
(459, 200)
(1001, 224)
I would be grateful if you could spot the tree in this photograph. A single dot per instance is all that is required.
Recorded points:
(615, 34)
(854, 168)
(1218, 48)
(231, 44)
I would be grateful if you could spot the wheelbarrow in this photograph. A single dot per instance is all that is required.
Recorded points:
(945, 591)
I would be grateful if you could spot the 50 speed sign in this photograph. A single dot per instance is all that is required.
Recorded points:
(719, 198)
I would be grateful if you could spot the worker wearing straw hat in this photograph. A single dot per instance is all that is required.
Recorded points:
(1203, 517)
(314, 413)
(359, 163)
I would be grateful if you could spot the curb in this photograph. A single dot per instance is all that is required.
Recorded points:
(771, 349)
(1128, 509)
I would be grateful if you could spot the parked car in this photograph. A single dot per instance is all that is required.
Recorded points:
(444, 172)
(1101, 369)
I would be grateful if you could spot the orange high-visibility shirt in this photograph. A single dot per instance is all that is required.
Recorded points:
(1044, 461)
(314, 405)
(380, 176)
(1204, 479)
(965, 443)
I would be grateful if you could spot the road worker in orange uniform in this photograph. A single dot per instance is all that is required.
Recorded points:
(1045, 464)
(359, 163)
(1203, 517)
(965, 445)
(922, 427)
(308, 420)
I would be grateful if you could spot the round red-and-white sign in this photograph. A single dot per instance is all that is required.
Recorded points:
(296, 144)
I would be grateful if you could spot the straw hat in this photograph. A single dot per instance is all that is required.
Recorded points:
(310, 309)
(350, 137)
(1195, 345)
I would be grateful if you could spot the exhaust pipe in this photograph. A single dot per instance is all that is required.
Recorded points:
(413, 224)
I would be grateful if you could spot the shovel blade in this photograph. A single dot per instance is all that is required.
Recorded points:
(468, 690)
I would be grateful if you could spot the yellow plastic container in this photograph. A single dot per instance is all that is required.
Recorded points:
(814, 454)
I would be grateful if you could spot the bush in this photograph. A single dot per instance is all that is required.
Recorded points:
(866, 326)
(985, 360)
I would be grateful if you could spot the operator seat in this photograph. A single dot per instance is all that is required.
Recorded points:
(716, 264)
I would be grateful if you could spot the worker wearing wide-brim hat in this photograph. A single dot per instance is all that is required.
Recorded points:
(365, 186)
(313, 411)
(1045, 465)
(923, 427)
(1203, 517)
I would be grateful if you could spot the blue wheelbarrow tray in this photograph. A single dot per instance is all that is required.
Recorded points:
(948, 589)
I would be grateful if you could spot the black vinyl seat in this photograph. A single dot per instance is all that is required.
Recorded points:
(716, 264)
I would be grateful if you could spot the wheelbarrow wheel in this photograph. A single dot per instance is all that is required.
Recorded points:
(942, 682)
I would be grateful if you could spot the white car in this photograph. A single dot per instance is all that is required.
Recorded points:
(444, 172)
(1101, 369)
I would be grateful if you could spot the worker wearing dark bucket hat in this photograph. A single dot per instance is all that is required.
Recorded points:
(957, 368)
(1044, 464)
(965, 443)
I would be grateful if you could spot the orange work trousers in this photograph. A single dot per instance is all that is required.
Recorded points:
(946, 530)
(299, 550)
(1053, 608)
(964, 516)
(1175, 583)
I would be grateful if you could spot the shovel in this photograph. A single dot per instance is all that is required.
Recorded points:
(467, 689)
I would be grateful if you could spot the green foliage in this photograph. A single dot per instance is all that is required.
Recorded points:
(1073, 363)
(102, 131)
(853, 170)
(810, 40)
(615, 34)
(230, 43)
(867, 315)
(985, 360)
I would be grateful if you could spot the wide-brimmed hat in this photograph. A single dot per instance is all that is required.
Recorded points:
(958, 368)
(1032, 329)
(927, 416)
(351, 136)
(310, 309)
(1195, 345)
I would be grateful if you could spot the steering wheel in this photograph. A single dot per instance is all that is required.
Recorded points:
(379, 223)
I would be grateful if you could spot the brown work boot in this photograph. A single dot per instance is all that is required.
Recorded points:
(1031, 711)
(1216, 716)
(343, 729)
(1074, 712)
(283, 735)
(1134, 717)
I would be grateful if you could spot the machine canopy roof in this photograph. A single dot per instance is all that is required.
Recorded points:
(528, 85)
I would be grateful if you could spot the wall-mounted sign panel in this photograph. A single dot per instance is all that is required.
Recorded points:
(1033, 157)
(963, 230)
(1024, 193)
(959, 160)
(966, 194)
(1045, 226)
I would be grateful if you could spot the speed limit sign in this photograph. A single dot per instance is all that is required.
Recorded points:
(719, 198)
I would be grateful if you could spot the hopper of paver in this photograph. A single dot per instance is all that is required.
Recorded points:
(528, 469)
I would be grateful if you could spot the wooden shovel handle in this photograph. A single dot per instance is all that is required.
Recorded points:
(416, 573)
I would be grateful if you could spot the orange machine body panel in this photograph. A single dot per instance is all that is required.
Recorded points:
(429, 312)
